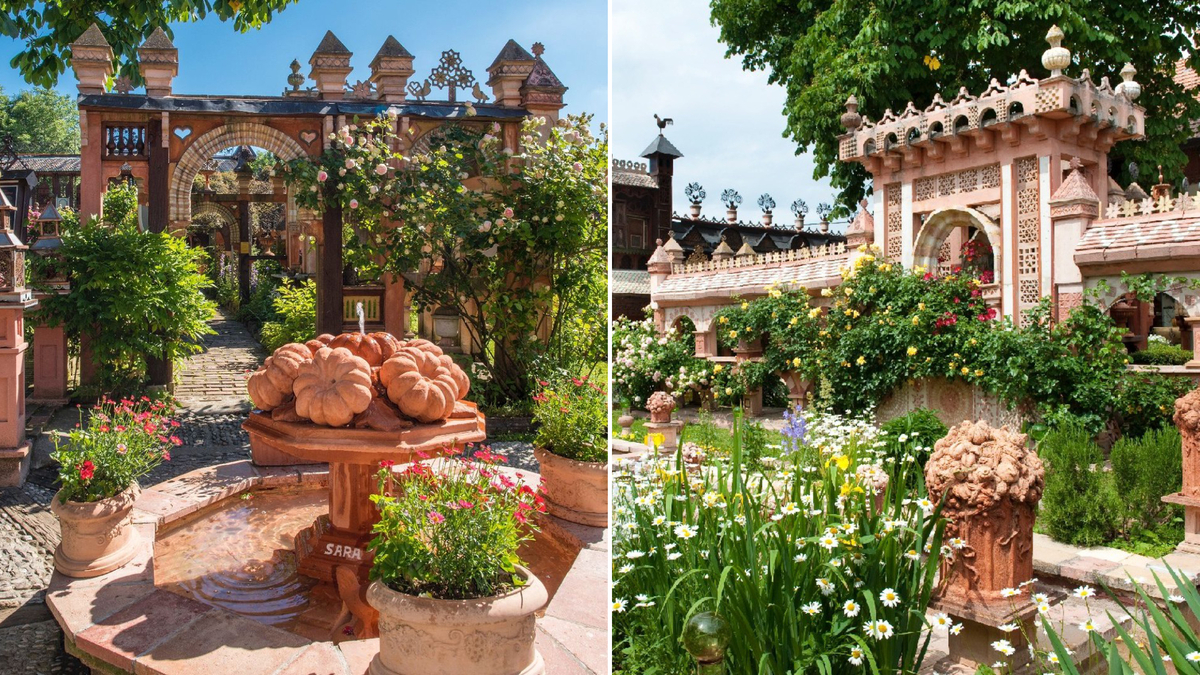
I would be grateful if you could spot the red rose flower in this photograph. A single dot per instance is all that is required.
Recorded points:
(87, 469)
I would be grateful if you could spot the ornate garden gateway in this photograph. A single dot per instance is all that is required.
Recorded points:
(164, 140)
(1015, 177)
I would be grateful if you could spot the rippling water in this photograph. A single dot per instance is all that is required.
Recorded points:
(239, 557)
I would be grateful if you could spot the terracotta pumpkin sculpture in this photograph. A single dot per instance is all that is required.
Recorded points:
(333, 387)
(420, 384)
(316, 343)
(374, 348)
(272, 384)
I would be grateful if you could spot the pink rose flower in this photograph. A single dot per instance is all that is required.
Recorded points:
(354, 203)
(508, 212)
(350, 163)
(381, 169)
(322, 176)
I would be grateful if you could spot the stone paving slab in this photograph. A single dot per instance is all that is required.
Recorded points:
(1118, 569)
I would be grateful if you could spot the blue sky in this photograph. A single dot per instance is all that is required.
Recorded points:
(216, 59)
(728, 122)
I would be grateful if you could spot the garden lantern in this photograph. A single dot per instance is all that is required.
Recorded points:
(12, 255)
(48, 242)
(706, 636)
(446, 327)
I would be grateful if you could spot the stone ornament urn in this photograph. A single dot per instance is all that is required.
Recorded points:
(661, 405)
(992, 482)
(575, 491)
(483, 636)
(97, 537)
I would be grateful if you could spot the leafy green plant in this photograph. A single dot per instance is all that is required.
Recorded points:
(295, 308)
(1144, 470)
(916, 431)
(814, 572)
(120, 442)
(135, 294)
(451, 527)
(572, 419)
(1078, 504)
(1159, 354)
(644, 361)
(1145, 401)
(517, 254)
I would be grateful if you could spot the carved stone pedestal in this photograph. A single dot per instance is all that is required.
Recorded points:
(670, 433)
(992, 483)
(1187, 418)
(333, 550)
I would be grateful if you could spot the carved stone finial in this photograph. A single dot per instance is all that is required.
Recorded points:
(1076, 164)
(538, 49)
(1056, 57)
(1128, 86)
(851, 119)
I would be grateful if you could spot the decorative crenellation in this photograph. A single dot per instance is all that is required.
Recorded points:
(630, 165)
(793, 255)
(1024, 100)
(1167, 202)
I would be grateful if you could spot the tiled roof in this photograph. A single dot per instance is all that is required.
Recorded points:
(1160, 236)
(634, 179)
(1190, 79)
(51, 163)
(750, 281)
(629, 282)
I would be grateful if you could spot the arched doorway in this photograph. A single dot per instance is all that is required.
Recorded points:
(963, 239)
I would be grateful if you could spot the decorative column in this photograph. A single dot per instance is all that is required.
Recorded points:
(745, 351)
(50, 343)
(14, 300)
(661, 405)
(992, 483)
(1187, 419)
(390, 70)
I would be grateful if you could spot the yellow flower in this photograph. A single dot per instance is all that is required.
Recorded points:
(796, 362)
(794, 320)
(916, 320)
(733, 334)
(862, 361)
(978, 373)
(912, 351)
(843, 461)
(827, 292)
(965, 370)
(849, 312)
(932, 62)
(845, 364)
(921, 306)
(848, 291)
(728, 391)
(814, 312)
(745, 305)
(718, 368)
(654, 440)
(953, 365)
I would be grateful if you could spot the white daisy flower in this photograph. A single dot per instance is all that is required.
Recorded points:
(889, 597)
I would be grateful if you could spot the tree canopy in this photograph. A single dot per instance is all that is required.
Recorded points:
(48, 27)
(40, 121)
(887, 54)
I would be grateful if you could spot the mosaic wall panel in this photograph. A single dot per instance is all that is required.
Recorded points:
(1028, 218)
(956, 182)
(894, 232)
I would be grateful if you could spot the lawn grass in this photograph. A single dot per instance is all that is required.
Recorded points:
(707, 434)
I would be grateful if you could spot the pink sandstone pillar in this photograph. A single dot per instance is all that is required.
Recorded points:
(1187, 419)
(992, 483)
(1193, 322)
(752, 404)
(49, 364)
(14, 300)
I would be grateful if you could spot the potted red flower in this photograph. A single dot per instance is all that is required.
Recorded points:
(452, 594)
(571, 448)
(99, 466)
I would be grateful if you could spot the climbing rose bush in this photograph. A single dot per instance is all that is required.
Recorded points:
(451, 527)
(644, 362)
(120, 442)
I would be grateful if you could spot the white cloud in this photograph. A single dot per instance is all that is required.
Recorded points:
(728, 122)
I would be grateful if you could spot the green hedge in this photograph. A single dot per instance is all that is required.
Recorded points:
(1159, 354)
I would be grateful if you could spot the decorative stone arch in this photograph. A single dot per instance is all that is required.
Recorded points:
(942, 222)
(1187, 297)
(203, 148)
(219, 210)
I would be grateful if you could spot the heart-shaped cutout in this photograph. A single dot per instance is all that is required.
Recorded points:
(182, 132)
(308, 137)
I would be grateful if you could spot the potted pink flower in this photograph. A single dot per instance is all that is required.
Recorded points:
(571, 447)
(452, 593)
(99, 466)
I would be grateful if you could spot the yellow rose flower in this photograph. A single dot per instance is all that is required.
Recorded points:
(729, 391)
(965, 370)
(916, 320)
(724, 319)
(733, 334)
(862, 361)
(921, 306)
(826, 292)
(718, 368)
(978, 373)
(796, 362)
(912, 351)
(745, 305)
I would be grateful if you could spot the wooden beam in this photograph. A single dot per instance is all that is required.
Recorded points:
(329, 269)
(158, 183)
(244, 245)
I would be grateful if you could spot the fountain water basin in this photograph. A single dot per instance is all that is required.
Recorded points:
(216, 585)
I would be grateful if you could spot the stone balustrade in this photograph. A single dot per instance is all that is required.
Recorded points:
(794, 255)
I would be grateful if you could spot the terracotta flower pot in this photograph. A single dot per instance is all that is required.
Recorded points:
(97, 537)
(484, 636)
(575, 491)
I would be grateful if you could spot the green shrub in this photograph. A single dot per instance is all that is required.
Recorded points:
(296, 309)
(572, 420)
(1145, 469)
(1145, 401)
(138, 294)
(921, 425)
(1079, 505)
(1161, 354)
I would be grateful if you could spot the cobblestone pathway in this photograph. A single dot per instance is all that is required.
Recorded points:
(211, 392)
(215, 379)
